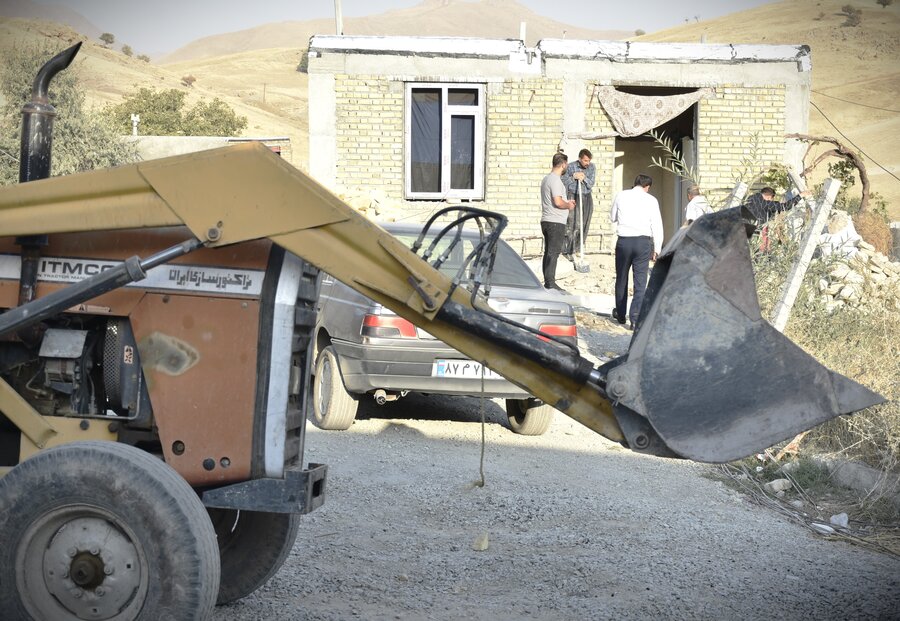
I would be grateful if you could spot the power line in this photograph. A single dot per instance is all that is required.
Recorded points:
(856, 103)
(853, 143)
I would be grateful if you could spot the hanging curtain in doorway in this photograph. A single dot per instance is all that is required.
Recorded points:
(633, 115)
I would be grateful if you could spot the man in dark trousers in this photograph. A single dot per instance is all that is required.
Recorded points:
(582, 171)
(554, 212)
(635, 213)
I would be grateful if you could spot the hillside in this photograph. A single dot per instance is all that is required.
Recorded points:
(486, 18)
(855, 77)
(237, 79)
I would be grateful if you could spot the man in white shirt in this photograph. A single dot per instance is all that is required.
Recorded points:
(697, 205)
(554, 214)
(639, 227)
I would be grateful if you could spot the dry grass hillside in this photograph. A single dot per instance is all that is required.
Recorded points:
(855, 75)
(237, 79)
(485, 18)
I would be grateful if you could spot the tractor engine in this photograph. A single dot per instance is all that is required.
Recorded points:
(85, 367)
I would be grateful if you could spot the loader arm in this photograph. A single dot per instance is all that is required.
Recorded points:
(245, 192)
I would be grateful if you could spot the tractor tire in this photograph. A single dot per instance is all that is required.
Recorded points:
(333, 406)
(100, 530)
(528, 417)
(253, 546)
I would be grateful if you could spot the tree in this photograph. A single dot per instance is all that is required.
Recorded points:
(639, 32)
(144, 58)
(81, 140)
(215, 118)
(108, 39)
(885, 3)
(188, 80)
(126, 49)
(848, 158)
(164, 113)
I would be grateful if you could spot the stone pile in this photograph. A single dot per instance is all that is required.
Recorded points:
(863, 279)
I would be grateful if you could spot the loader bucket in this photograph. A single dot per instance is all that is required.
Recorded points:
(705, 372)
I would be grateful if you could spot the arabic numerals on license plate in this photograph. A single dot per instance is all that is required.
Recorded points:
(461, 368)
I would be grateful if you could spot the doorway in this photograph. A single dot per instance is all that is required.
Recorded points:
(634, 156)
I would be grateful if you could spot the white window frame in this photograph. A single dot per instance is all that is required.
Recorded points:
(447, 112)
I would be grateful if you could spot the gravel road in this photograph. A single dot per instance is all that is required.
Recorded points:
(576, 528)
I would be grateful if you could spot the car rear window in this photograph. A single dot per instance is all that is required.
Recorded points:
(509, 268)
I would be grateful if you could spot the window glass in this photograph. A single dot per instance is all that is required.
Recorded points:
(462, 152)
(425, 142)
(462, 97)
(509, 268)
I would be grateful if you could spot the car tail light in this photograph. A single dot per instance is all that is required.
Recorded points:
(567, 333)
(388, 326)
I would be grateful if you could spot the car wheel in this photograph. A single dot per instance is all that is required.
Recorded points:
(100, 530)
(528, 417)
(333, 406)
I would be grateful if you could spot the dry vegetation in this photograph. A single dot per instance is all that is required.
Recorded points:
(862, 343)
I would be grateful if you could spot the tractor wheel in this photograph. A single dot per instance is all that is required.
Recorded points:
(253, 546)
(528, 417)
(100, 530)
(333, 406)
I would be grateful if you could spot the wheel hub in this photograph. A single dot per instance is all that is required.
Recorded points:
(91, 568)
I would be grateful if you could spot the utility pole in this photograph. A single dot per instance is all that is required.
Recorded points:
(338, 18)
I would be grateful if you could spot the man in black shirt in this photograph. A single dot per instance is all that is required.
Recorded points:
(763, 204)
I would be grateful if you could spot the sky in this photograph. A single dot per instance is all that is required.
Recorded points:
(162, 26)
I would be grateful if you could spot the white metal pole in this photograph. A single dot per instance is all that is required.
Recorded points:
(338, 18)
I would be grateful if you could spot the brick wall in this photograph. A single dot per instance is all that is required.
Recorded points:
(741, 125)
(369, 122)
(523, 128)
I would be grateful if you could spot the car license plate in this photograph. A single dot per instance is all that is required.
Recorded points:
(461, 369)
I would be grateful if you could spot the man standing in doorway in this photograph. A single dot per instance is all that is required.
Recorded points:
(554, 212)
(697, 205)
(640, 231)
(579, 173)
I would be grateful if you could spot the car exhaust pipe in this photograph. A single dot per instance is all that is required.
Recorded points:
(34, 161)
(382, 396)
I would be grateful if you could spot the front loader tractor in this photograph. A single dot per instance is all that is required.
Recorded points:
(155, 344)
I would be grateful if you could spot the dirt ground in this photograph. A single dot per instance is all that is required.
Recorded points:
(567, 526)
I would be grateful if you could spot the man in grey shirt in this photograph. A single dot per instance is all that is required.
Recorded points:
(554, 214)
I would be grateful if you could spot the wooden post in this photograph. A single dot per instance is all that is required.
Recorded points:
(801, 264)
